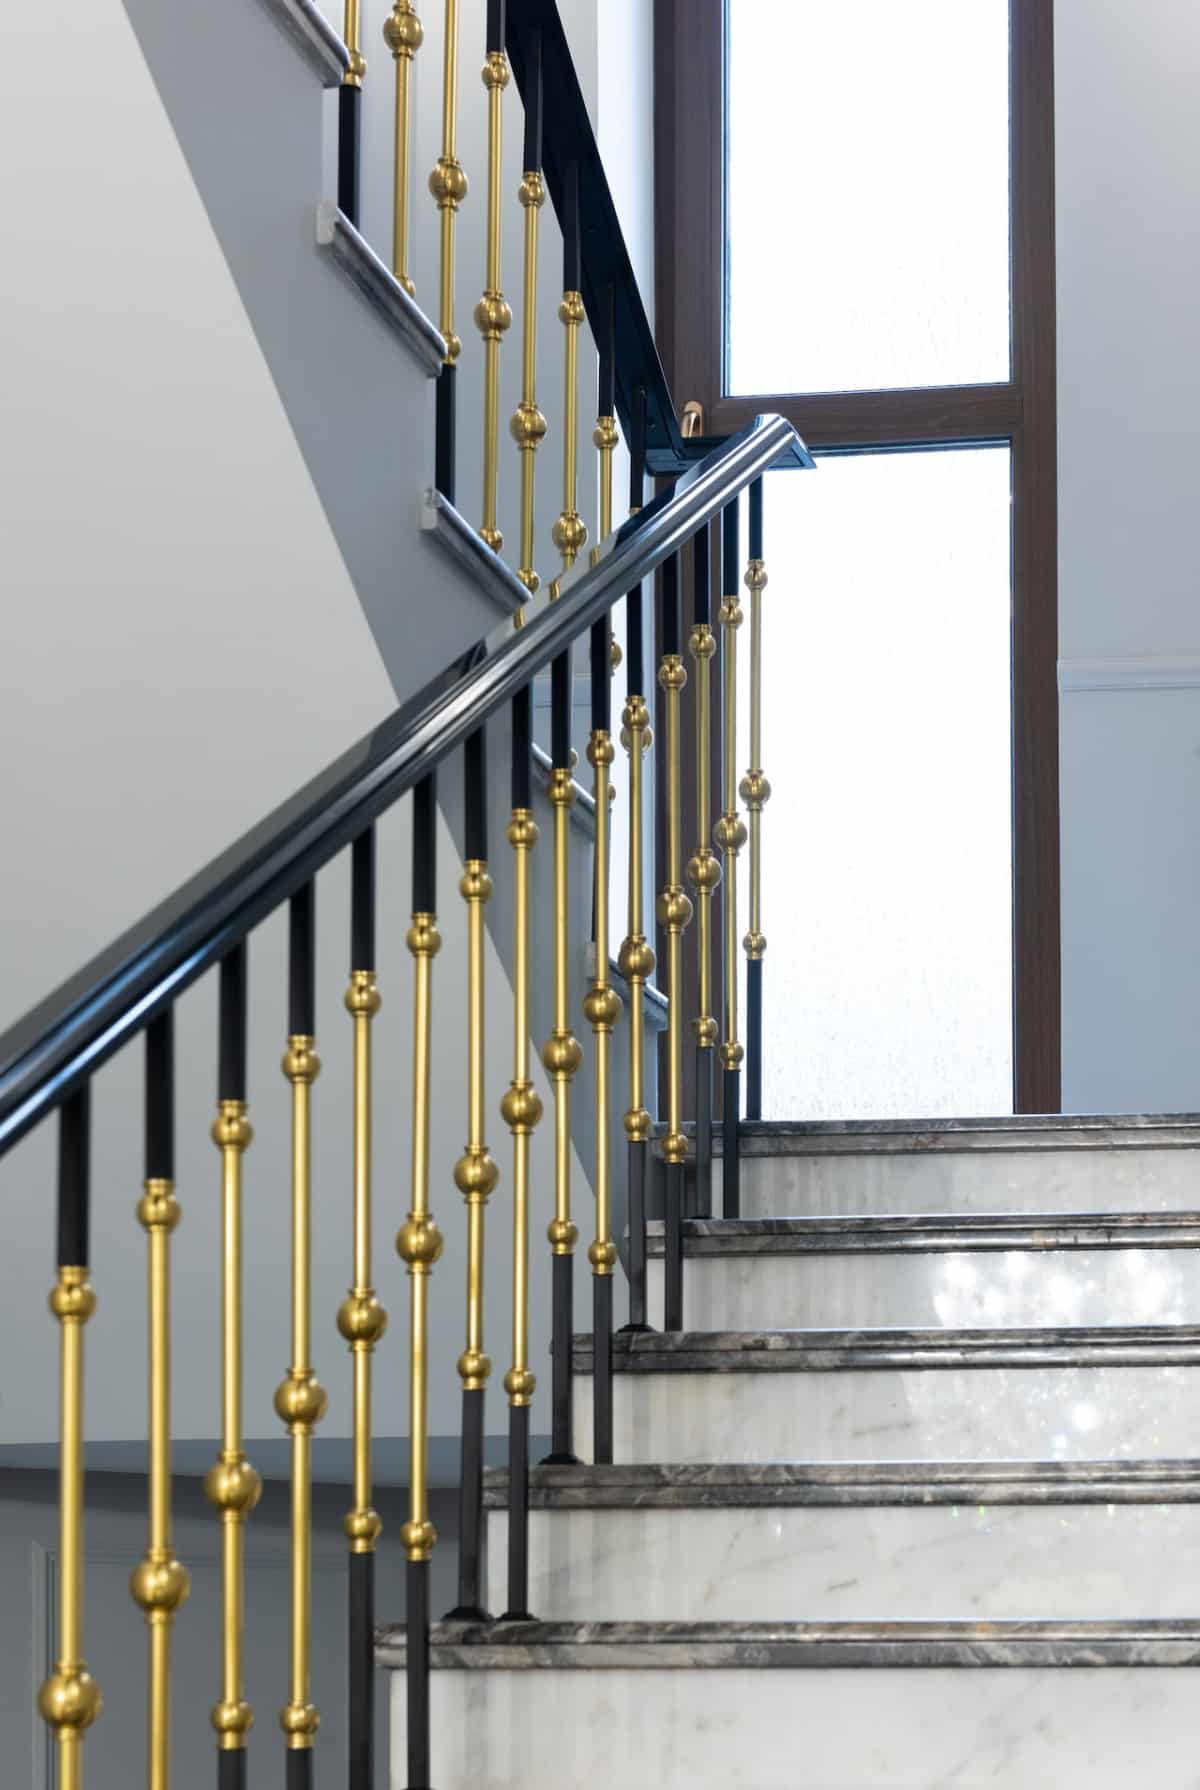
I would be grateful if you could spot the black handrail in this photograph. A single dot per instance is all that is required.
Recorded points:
(568, 138)
(46, 1054)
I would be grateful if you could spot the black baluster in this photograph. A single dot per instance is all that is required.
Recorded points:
(674, 912)
(475, 1175)
(755, 790)
(637, 956)
(349, 148)
(704, 873)
(730, 835)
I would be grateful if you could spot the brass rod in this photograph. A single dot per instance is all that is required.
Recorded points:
(448, 182)
(159, 1584)
(754, 788)
(300, 1400)
(69, 1700)
(636, 959)
(602, 1005)
(562, 1054)
(232, 1485)
(528, 426)
(361, 1318)
(570, 531)
(674, 908)
(403, 34)
(419, 1242)
(730, 830)
(352, 38)
(704, 870)
(475, 1173)
(605, 436)
(521, 1108)
(493, 317)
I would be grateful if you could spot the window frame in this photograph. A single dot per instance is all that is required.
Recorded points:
(1020, 413)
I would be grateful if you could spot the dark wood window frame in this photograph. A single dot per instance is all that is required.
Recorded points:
(690, 234)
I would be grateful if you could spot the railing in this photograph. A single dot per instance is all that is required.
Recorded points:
(47, 1064)
(48, 1061)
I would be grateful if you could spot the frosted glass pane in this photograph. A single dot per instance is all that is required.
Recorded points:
(887, 742)
(868, 194)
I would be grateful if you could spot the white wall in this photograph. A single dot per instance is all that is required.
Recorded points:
(1128, 193)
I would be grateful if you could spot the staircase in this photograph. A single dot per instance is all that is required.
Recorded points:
(912, 1401)
(926, 1412)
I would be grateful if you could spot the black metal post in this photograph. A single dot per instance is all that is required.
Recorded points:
(754, 964)
(673, 1250)
(518, 1514)
(349, 148)
(469, 1607)
(360, 1712)
(731, 1180)
(231, 1769)
(445, 431)
(416, 1672)
(754, 994)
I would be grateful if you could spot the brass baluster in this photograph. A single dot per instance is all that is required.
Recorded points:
(69, 1699)
(361, 1319)
(448, 182)
(755, 791)
(674, 912)
(300, 1401)
(475, 1175)
(403, 34)
(521, 1110)
(636, 958)
(493, 317)
(528, 426)
(729, 835)
(232, 1484)
(704, 874)
(419, 1244)
(570, 531)
(159, 1584)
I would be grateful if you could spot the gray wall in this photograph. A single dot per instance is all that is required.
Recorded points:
(1128, 172)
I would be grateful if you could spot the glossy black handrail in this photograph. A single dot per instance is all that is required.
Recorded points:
(77, 1028)
(568, 137)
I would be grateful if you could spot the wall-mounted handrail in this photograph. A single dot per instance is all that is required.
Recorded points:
(80, 1026)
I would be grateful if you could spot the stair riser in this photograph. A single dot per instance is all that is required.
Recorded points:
(833, 1729)
(980, 1288)
(972, 1563)
(1074, 1180)
(918, 1414)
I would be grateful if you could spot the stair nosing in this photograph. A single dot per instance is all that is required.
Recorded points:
(310, 32)
(804, 1484)
(1019, 1134)
(353, 255)
(519, 1646)
(932, 1233)
(833, 1350)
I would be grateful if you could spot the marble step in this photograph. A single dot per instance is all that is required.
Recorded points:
(1058, 1164)
(898, 1541)
(1109, 1392)
(686, 1706)
(919, 1268)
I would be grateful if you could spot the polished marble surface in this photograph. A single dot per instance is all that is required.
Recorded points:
(1089, 1179)
(965, 1562)
(959, 1414)
(1026, 1287)
(831, 1730)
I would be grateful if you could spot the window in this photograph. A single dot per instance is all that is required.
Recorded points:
(855, 229)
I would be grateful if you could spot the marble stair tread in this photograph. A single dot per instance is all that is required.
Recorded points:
(895, 1232)
(823, 1351)
(1037, 1131)
(871, 1483)
(675, 1646)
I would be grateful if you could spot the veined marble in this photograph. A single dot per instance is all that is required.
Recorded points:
(734, 1291)
(788, 1174)
(919, 1414)
(832, 1729)
(963, 1562)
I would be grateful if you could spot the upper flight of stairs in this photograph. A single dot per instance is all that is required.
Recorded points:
(929, 1409)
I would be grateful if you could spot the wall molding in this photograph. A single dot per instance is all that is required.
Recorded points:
(1167, 671)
